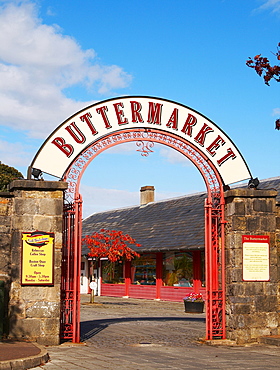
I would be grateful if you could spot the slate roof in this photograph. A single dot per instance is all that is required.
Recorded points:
(271, 184)
(172, 224)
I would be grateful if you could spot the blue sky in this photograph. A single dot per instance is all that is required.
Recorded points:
(58, 57)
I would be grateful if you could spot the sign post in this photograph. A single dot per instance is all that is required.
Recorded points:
(93, 287)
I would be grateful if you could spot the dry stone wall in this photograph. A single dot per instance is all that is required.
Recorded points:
(33, 312)
(6, 202)
(252, 308)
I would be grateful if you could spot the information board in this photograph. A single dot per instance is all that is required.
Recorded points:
(37, 258)
(255, 257)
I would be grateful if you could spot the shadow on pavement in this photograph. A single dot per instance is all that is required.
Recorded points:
(91, 328)
(124, 303)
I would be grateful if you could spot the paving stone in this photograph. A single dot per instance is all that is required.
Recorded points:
(131, 334)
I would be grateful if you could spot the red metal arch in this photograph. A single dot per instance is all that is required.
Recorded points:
(214, 227)
(208, 171)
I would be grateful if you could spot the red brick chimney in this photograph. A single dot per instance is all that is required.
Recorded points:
(147, 195)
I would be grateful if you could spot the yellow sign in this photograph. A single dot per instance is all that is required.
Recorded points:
(37, 258)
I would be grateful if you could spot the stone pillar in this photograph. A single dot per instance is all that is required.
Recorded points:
(34, 311)
(6, 205)
(252, 307)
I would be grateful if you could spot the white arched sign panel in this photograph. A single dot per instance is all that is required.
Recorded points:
(131, 112)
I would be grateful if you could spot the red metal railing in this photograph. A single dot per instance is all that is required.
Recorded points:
(71, 271)
(215, 267)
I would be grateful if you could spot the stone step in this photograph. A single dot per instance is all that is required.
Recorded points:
(273, 340)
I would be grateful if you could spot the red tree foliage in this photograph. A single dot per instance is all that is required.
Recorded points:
(263, 68)
(111, 244)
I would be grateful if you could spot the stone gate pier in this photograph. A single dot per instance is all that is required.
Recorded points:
(252, 307)
(31, 312)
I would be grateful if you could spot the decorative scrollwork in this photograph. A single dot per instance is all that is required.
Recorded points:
(146, 146)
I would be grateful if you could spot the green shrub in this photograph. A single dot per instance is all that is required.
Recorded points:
(8, 174)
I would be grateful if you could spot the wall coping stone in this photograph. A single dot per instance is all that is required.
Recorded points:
(251, 193)
(6, 194)
(37, 185)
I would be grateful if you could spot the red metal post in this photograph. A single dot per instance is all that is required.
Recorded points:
(208, 268)
(66, 278)
(197, 275)
(215, 267)
(77, 268)
(223, 266)
(159, 261)
(71, 271)
(127, 277)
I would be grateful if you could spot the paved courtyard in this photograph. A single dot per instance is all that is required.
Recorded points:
(119, 333)
(119, 322)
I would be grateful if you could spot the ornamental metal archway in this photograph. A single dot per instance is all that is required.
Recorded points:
(144, 120)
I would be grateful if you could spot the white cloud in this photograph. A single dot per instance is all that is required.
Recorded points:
(276, 112)
(173, 156)
(14, 154)
(273, 5)
(168, 154)
(99, 199)
(37, 62)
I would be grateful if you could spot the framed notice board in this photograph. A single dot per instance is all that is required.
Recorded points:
(255, 257)
(37, 267)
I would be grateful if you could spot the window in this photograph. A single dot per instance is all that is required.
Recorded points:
(143, 270)
(177, 269)
(112, 272)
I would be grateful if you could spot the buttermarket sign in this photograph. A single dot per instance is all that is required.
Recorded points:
(104, 118)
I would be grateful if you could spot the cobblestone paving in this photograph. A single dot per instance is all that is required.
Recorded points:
(120, 322)
(129, 334)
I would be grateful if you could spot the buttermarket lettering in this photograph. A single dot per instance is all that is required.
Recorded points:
(143, 117)
(117, 115)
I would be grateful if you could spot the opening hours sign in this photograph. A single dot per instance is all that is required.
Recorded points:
(37, 258)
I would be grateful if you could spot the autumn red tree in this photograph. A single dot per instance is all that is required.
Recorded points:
(111, 244)
(264, 69)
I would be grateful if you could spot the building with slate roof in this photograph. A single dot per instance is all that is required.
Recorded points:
(157, 226)
(171, 234)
